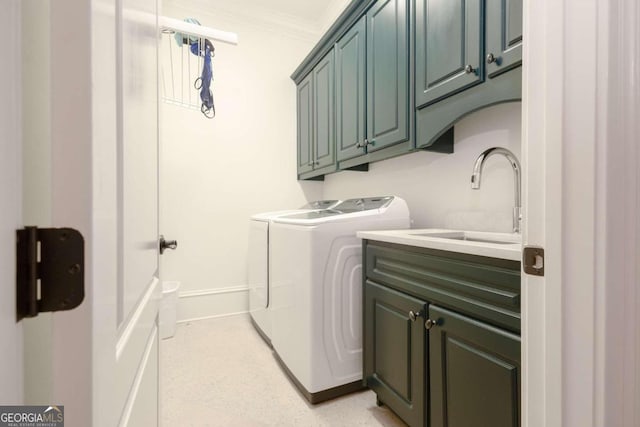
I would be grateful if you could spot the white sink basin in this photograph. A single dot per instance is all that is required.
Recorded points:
(495, 245)
(473, 236)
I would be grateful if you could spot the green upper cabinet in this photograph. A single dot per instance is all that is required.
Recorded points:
(448, 47)
(504, 36)
(474, 371)
(305, 125)
(464, 50)
(387, 73)
(323, 113)
(373, 98)
(350, 92)
(316, 121)
(356, 97)
(457, 42)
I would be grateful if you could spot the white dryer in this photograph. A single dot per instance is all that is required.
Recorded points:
(258, 263)
(316, 291)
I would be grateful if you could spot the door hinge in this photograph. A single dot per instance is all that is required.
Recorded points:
(49, 270)
(533, 260)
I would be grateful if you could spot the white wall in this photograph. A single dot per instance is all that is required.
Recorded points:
(437, 186)
(216, 173)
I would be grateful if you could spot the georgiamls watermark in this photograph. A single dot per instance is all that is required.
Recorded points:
(32, 416)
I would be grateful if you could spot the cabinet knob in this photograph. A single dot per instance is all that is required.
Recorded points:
(310, 164)
(491, 58)
(414, 315)
(428, 324)
(469, 69)
(372, 142)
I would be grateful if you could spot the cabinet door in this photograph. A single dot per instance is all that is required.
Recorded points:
(350, 92)
(305, 124)
(449, 42)
(504, 35)
(474, 373)
(387, 73)
(323, 107)
(394, 351)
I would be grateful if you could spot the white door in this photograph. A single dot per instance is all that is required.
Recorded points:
(100, 360)
(581, 341)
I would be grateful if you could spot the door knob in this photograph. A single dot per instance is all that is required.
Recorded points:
(167, 244)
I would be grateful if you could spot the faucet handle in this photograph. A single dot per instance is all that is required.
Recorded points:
(517, 219)
(475, 180)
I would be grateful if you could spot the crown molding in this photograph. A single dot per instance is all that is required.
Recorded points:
(258, 16)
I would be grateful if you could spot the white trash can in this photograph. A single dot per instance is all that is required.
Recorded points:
(169, 309)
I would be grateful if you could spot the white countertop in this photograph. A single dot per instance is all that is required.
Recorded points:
(494, 245)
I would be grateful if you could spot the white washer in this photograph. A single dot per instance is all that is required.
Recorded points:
(258, 263)
(316, 291)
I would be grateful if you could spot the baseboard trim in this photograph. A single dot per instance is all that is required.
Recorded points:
(216, 316)
(212, 303)
(206, 292)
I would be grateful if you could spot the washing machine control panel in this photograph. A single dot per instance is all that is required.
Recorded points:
(346, 207)
(363, 204)
(320, 204)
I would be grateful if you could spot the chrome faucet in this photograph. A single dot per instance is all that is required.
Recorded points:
(515, 164)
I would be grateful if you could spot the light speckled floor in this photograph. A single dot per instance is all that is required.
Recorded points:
(219, 372)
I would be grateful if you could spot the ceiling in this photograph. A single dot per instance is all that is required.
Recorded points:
(313, 16)
(305, 9)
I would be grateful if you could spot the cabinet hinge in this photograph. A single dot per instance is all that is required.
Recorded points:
(533, 260)
(49, 270)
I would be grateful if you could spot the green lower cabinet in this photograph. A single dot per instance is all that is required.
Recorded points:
(426, 352)
(474, 372)
(394, 351)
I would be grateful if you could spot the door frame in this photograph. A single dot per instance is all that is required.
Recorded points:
(581, 189)
(11, 353)
(83, 196)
